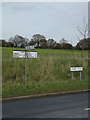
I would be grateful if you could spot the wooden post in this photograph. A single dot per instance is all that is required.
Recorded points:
(80, 75)
(72, 75)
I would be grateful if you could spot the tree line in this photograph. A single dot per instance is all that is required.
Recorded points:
(39, 41)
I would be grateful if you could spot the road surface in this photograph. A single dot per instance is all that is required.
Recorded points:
(67, 106)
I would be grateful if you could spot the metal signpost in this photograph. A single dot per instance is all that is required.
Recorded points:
(78, 69)
(25, 67)
(25, 54)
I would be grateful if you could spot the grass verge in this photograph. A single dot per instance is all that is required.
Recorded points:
(49, 73)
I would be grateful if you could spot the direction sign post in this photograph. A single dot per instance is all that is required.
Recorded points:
(25, 54)
(25, 68)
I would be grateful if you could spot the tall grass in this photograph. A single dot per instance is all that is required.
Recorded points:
(50, 69)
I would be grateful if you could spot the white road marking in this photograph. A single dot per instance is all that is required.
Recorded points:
(87, 108)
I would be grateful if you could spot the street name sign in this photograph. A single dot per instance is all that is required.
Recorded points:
(31, 54)
(72, 69)
(18, 54)
(76, 69)
(31, 47)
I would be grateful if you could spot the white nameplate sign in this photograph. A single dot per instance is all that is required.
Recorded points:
(72, 69)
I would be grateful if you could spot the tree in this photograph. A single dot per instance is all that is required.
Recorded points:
(36, 39)
(82, 37)
(2, 43)
(18, 41)
(82, 33)
(62, 43)
(9, 44)
(51, 43)
(58, 46)
(43, 43)
(67, 46)
(83, 43)
(31, 42)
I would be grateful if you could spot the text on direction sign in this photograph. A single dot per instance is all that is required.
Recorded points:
(21, 54)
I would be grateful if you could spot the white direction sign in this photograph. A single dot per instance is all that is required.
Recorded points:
(18, 54)
(72, 69)
(21, 54)
(31, 54)
(31, 47)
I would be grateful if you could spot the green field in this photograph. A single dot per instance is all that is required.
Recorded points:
(49, 73)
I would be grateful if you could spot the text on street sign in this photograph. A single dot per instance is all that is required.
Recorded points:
(76, 69)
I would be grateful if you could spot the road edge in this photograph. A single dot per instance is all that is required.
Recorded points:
(44, 95)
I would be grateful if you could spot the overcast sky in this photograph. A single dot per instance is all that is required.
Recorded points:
(53, 20)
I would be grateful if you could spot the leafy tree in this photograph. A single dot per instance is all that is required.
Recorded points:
(51, 43)
(9, 44)
(83, 44)
(31, 42)
(3, 43)
(36, 39)
(67, 46)
(43, 43)
(58, 46)
(18, 41)
(62, 43)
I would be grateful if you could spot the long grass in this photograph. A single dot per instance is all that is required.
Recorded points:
(50, 72)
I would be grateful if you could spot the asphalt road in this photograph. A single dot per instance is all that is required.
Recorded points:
(67, 106)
